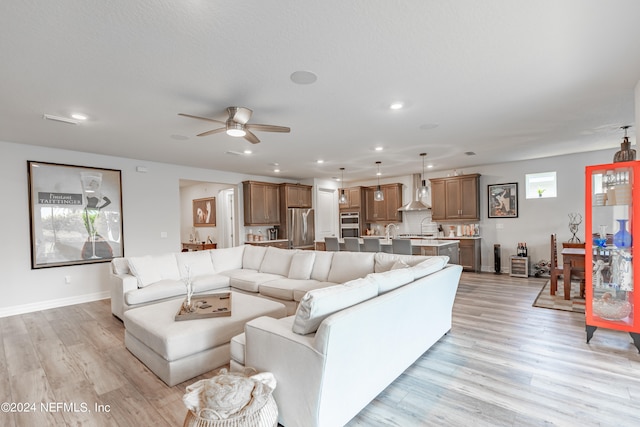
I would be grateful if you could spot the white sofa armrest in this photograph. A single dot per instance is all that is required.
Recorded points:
(120, 285)
(272, 346)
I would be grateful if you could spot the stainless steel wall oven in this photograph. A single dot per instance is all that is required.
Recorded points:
(349, 224)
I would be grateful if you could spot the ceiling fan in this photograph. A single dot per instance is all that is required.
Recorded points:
(236, 125)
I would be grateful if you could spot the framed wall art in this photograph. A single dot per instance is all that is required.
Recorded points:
(204, 212)
(75, 214)
(503, 200)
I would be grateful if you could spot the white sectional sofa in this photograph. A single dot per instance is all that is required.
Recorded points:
(280, 274)
(356, 320)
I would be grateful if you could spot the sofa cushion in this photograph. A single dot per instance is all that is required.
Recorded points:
(253, 255)
(322, 265)
(277, 261)
(347, 266)
(149, 269)
(159, 290)
(385, 261)
(210, 282)
(301, 265)
(227, 258)
(431, 265)
(308, 285)
(252, 280)
(199, 263)
(283, 288)
(392, 279)
(120, 266)
(319, 304)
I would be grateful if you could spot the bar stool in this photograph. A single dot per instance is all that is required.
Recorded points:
(401, 246)
(372, 245)
(331, 244)
(352, 244)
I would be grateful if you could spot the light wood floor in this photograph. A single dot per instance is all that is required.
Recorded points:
(504, 363)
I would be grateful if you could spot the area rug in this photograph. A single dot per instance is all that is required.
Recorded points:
(557, 301)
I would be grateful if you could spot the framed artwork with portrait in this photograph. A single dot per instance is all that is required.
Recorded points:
(75, 214)
(503, 200)
(204, 212)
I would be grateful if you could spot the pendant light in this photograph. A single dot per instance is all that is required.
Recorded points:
(626, 153)
(424, 190)
(378, 195)
(343, 198)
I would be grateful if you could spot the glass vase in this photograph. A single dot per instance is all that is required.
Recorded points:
(622, 239)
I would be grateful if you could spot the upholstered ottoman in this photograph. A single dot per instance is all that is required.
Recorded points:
(180, 350)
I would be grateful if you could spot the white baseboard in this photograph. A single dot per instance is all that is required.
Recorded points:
(45, 305)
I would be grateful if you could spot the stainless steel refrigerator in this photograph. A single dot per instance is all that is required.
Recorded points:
(300, 228)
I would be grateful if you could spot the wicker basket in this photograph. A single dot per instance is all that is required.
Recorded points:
(267, 416)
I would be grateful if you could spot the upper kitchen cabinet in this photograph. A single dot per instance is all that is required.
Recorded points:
(296, 195)
(261, 203)
(354, 198)
(456, 198)
(387, 209)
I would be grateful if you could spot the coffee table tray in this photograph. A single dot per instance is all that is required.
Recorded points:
(209, 305)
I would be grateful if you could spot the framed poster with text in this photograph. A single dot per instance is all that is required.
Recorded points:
(75, 214)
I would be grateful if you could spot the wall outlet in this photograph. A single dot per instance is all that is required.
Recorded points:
(67, 279)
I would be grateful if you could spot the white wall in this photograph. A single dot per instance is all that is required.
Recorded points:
(150, 202)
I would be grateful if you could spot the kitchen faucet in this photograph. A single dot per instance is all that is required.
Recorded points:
(388, 230)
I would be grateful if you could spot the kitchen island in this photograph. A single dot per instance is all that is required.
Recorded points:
(418, 247)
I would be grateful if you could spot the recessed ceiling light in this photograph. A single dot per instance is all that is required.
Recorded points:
(303, 77)
(276, 170)
(379, 148)
(319, 161)
(79, 116)
(378, 173)
(429, 166)
(248, 151)
(396, 106)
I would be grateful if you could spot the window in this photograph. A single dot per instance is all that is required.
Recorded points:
(540, 185)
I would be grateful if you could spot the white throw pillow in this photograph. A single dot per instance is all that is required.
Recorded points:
(322, 265)
(199, 263)
(252, 258)
(277, 261)
(301, 265)
(319, 304)
(227, 258)
(392, 279)
(429, 266)
(350, 265)
(150, 269)
(399, 264)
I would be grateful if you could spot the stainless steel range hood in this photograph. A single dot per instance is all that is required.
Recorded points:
(416, 204)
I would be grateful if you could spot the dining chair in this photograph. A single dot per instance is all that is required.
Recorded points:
(331, 244)
(401, 246)
(554, 270)
(372, 245)
(352, 244)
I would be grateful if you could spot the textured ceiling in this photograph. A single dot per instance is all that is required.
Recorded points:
(508, 80)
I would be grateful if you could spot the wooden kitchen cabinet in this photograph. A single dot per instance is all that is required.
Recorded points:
(297, 195)
(456, 198)
(261, 203)
(354, 198)
(469, 256)
(387, 209)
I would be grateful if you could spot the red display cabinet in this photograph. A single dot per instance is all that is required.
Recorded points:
(612, 222)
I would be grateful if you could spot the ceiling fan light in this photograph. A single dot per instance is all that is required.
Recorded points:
(236, 132)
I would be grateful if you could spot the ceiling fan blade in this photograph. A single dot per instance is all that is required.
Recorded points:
(268, 128)
(239, 114)
(251, 137)
(211, 132)
(201, 118)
